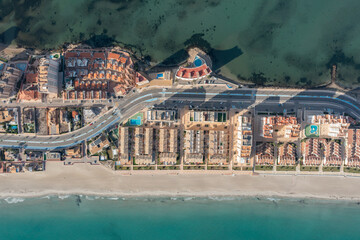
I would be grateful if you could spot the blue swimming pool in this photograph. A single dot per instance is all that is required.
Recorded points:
(1, 66)
(159, 75)
(21, 66)
(135, 122)
(313, 129)
(198, 62)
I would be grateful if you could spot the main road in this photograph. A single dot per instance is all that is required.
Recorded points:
(238, 98)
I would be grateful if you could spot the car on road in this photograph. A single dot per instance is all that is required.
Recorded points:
(91, 124)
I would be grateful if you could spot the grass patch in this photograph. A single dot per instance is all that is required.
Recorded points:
(331, 169)
(144, 167)
(194, 167)
(248, 168)
(117, 167)
(217, 168)
(285, 168)
(351, 170)
(168, 167)
(309, 168)
(264, 168)
(244, 168)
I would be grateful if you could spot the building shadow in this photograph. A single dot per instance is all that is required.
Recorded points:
(8, 36)
(222, 57)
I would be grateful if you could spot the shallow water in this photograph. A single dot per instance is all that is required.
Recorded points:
(88, 217)
(292, 42)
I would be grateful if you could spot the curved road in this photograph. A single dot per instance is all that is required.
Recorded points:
(241, 98)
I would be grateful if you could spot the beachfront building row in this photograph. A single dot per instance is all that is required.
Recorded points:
(198, 66)
(280, 127)
(43, 79)
(143, 145)
(317, 151)
(97, 74)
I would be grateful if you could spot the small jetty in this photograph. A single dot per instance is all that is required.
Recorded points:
(333, 74)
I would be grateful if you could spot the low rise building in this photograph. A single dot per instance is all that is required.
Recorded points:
(143, 146)
(194, 146)
(243, 139)
(280, 127)
(287, 154)
(197, 67)
(53, 156)
(98, 145)
(332, 125)
(313, 151)
(333, 153)
(74, 152)
(9, 78)
(265, 154)
(34, 156)
(218, 147)
(124, 146)
(168, 158)
(353, 148)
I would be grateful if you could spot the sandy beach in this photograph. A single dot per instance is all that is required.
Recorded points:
(98, 180)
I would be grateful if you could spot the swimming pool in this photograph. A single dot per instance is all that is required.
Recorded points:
(198, 62)
(313, 129)
(1, 66)
(159, 75)
(135, 122)
(21, 66)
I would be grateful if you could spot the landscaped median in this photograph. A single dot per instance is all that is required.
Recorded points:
(144, 167)
(285, 168)
(331, 169)
(309, 168)
(117, 167)
(351, 170)
(168, 167)
(194, 167)
(264, 168)
(217, 167)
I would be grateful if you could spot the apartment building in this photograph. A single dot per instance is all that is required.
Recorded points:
(218, 147)
(244, 138)
(168, 145)
(287, 154)
(353, 148)
(194, 146)
(143, 144)
(207, 116)
(313, 151)
(280, 126)
(265, 154)
(332, 125)
(95, 74)
(99, 144)
(124, 145)
(333, 154)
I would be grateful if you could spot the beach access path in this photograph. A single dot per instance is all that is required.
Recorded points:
(87, 179)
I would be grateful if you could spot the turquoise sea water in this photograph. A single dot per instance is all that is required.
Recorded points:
(177, 218)
(284, 42)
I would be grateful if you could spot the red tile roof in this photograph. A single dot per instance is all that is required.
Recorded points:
(99, 55)
(112, 55)
(85, 55)
(31, 77)
(193, 72)
(70, 54)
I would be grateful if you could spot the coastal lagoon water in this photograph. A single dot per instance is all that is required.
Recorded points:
(272, 42)
(82, 217)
